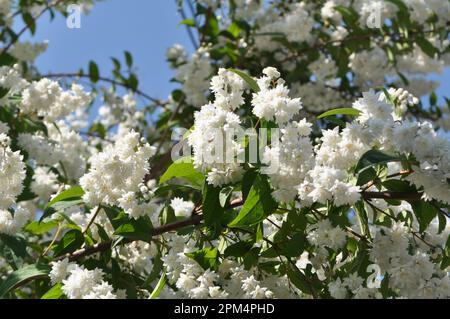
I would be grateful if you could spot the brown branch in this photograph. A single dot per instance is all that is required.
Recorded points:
(198, 218)
(411, 197)
(107, 80)
(192, 221)
(401, 173)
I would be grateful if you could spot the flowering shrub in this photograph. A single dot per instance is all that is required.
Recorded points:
(305, 159)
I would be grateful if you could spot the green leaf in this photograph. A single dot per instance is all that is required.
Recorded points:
(425, 213)
(7, 59)
(159, 287)
(23, 275)
(294, 247)
(374, 157)
(433, 99)
(40, 228)
(94, 73)
(99, 129)
(136, 230)
(133, 82)
(248, 79)
(299, 280)
(183, 169)
(398, 185)
(224, 195)
(18, 245)
(71, 193)
(426, 47)
(3, 92)
(340, 111)
(258, 205)
(366, 176)
(207, 258)
(55, 292)
(212, 210)
(128, 59)
(238, 249)
(30, 22)
(70, 242)
(363, 219)
(188, 22)
(60, 207)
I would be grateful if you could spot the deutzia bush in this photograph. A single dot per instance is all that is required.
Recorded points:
(309, 158)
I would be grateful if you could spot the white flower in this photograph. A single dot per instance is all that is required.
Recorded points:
(182, 208)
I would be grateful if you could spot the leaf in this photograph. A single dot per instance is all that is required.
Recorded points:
(425, 213)
(59, 207)
(163, 190)
(70, 242)
(159, 287)
(207, 258)
(239, 249)
(340, 111)
(18, 245)
(188, 22)
(299, 280)
(128, 59)
(224, 195)
(136, 230)
(3, 92)
(397, 185)
(40, 228)
(294, 247)
(248, 79)
(366, 176)
(71, 193)
(55, 292)
(212, 210)
(374, 157)
(426, 47)
(184, 169)
(133, 82)
(7, 59)
(94, 73)
(30, 22)
(23, 275)
(258, 205)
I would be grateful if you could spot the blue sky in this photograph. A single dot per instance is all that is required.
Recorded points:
(146, 28)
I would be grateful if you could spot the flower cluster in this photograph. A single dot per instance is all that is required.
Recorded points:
(116, 173)
(81, 283)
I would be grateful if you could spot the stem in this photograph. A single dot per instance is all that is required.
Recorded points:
(92, 219)
(194, 220)
(58, 232)
(26, 27)
(107, 80)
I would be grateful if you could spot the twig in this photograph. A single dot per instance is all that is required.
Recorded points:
(26, 27)
(107, 80)
(92, 219)
(194, 220)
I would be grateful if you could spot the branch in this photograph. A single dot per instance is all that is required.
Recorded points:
(411, 197)
(108, 80)
(194, 220)
(26, 27)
